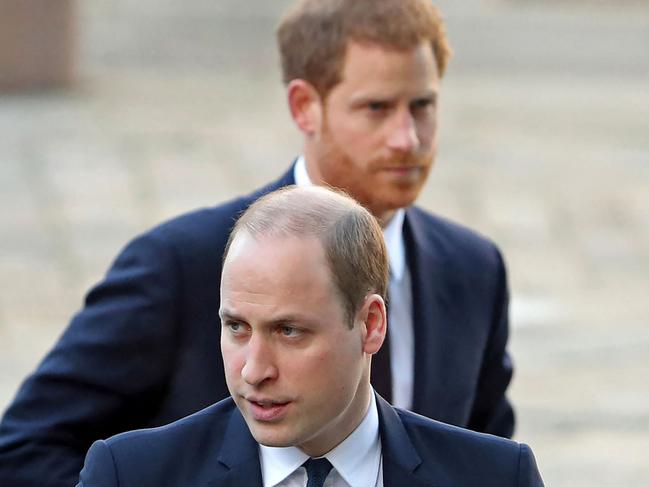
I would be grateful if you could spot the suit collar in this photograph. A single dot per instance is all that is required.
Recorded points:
(237, 460)
(395, 444)
(238, 456)
(430, 300)
(287, 178)
(401, 461)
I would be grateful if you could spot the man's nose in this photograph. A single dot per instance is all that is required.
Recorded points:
(403, 135)
(259, 365)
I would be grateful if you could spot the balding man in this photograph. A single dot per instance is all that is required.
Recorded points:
(302, 316)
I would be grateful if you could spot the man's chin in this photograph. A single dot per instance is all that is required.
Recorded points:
(272, 437)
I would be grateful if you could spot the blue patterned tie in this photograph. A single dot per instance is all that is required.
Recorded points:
(316, 471)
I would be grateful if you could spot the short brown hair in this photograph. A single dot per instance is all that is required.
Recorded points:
(314, 34)
(351, 237)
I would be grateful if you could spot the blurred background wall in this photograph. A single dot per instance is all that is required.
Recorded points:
(544, 148)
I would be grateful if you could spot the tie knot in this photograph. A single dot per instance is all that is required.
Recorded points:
(316, 471)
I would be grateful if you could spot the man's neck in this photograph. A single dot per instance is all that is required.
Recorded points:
(345, 426)
(385, 218)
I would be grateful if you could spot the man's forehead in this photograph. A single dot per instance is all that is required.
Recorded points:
(277, 266)
(264, 260)
(357, 42)
(365, 63)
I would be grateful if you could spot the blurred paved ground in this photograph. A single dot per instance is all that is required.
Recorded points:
(545, 148)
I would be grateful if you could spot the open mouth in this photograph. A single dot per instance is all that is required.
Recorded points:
(268, 410)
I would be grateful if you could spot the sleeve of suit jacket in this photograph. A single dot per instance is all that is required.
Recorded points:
(528, 472)
(99, 468)
(492, 412)
(107, 369)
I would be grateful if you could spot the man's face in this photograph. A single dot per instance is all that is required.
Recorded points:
(378, 134)
(295, 369)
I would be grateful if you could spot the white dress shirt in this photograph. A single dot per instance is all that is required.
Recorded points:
(400, 325)
(356, 461)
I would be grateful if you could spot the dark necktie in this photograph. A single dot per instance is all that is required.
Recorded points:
(316, 471)
(381, 375)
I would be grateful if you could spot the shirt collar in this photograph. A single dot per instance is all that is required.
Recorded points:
(392, 233)
(300, 174)
(356, 459)
(278, 463)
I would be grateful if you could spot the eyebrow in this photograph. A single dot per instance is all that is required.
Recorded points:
(226, 315)
(229, 315)
(364, 99)
(429, 95)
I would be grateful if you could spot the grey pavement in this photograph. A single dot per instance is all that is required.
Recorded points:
(544, 148)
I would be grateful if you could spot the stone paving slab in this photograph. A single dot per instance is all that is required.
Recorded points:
(544, 148)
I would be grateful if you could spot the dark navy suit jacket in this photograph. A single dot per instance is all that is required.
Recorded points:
(214, 448)
(144, 350)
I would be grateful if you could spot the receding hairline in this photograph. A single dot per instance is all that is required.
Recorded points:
(271, 238)
(349, 236)
(295, 208)
(284, 204)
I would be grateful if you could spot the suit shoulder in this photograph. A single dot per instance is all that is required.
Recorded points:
(448, 232)
(443, 454)
(204, 220)
(453, 248)
(183, 244)
(209, 226)
(206, 423)
(167, 455)
(450, 440)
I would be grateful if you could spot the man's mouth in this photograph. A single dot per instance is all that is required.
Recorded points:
(267, 410)
(404, 172)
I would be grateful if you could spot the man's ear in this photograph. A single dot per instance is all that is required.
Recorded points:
(374, 319)
(305, 104)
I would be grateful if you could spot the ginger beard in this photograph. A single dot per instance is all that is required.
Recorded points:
(375, 132)
(382, 185)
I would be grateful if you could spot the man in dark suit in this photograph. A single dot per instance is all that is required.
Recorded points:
(302, 314)
(363, 90)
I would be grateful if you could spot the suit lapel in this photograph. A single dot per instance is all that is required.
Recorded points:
(441, 347)
(429, 316)
(238, 458)
(401, 461)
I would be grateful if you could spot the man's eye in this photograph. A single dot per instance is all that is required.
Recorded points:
(377, 106)
(234, 327)
(423, 104)
(289, 331)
